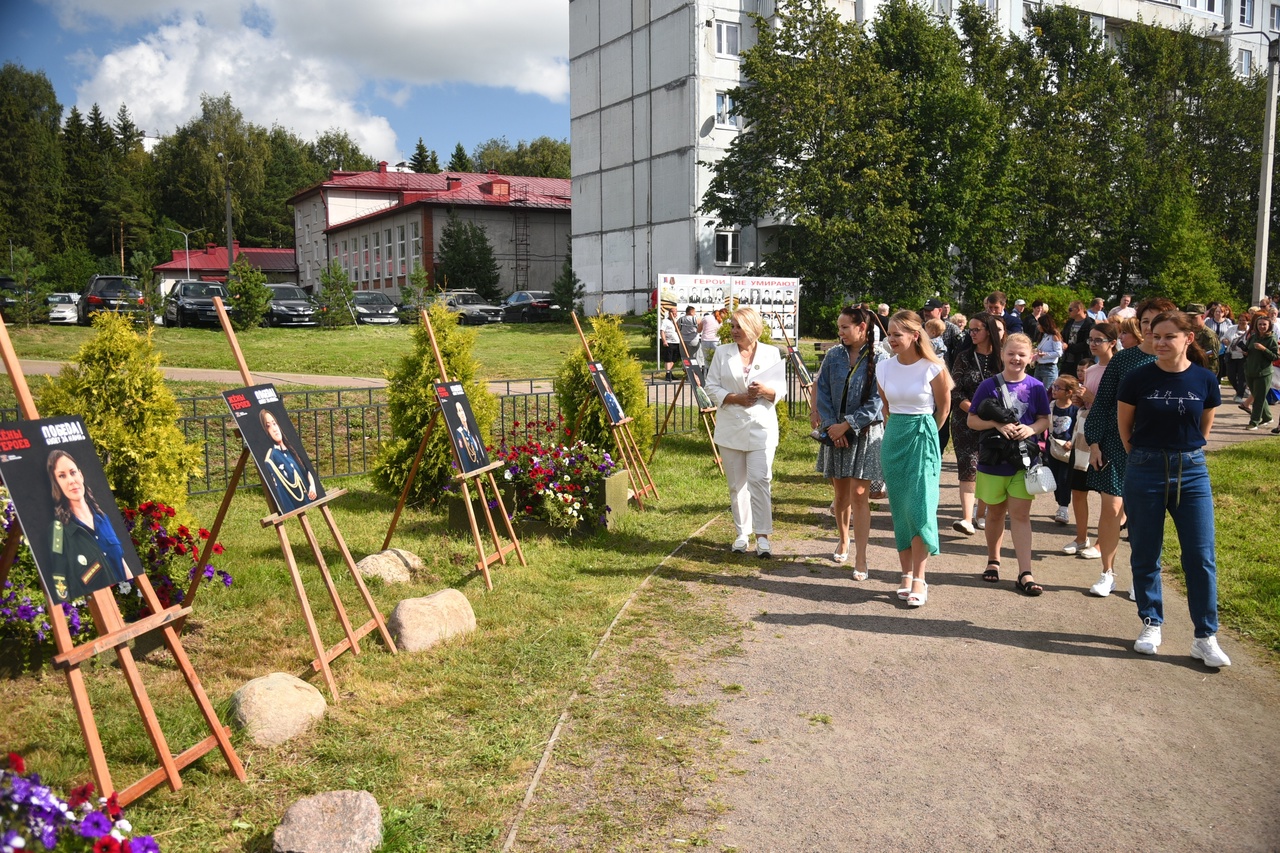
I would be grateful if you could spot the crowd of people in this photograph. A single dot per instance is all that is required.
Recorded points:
(1117, 403)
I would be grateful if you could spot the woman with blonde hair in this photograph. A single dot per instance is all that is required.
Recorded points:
(746, 380)
(916, 389)
(1129, 332)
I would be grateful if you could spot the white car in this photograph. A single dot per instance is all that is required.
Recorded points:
(62, 308)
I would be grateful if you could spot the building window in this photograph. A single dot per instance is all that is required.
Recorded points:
(726, 39)
(400, 248)
(386, 252)
(346, 267)
(1246, 12)
(1246, 62)
(724, 111)
(415, 246)
(1275, 17)
(377, 258)
(1210, 6)
(365, 265)
(727, 248)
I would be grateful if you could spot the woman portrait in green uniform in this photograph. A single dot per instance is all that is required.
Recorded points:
(85, 548)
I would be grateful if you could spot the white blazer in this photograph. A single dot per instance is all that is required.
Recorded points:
(744, 427)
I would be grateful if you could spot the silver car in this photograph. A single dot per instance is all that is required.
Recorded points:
(62, 308)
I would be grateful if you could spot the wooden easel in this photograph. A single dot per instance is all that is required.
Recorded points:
(798, 367)
(352, 636)
(114, 634)
(708, 414)
(637, 471)
(484, 558)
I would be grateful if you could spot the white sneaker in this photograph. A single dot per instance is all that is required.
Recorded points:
(964, 526)
(1061, 515)
(1133, 594)
(1105, 584)
(1149, 640)
(762, 547)
(1207, 650)
(980, 522)
(1090, 553)
(740, 545)
(1074, 547)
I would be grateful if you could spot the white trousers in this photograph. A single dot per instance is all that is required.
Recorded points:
(750, 475)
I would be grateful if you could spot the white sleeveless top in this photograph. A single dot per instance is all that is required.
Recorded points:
(906, 386)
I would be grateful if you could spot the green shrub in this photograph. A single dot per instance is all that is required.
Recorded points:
(116, 385)
(29, 304)
(334, 298)
(411, 400)
(574, 389)
(249, 295)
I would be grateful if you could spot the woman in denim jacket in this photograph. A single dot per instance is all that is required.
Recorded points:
(849, 413)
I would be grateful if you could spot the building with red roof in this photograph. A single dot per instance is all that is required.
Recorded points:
(210, 264)
(380, 225)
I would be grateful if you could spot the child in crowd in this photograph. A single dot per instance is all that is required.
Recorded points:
(935, 329)
(1062, 417)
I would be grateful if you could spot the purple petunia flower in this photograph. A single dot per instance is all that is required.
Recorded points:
(144, 844)
(26, 612)
(95, 825)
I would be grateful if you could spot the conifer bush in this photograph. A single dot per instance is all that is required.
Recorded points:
(411, 401)
(116, 385)
(248, 294)
(574, 388)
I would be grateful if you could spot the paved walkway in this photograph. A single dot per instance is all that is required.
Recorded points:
(985, 720)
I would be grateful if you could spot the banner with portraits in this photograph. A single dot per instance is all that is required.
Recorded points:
(273, 443)
(460, 423)
(776, 299)
(69, 515)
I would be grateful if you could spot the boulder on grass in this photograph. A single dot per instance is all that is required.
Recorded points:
(276, 707)
(334, 822)
(391, 566)
(418, 624)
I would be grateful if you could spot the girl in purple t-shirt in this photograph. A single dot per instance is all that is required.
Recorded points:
(1001, 486)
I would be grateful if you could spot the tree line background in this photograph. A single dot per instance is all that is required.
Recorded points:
(912, 158)
(82, 194)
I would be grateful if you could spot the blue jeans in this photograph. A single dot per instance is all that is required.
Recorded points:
(1046, 373)
(1160, 481)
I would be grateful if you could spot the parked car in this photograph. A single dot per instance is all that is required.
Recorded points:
(472, 308)
(528, 306)
(375, 308)
(118, 293)
(290, 306)
(62, 308)
(8, 295)
(190, 303)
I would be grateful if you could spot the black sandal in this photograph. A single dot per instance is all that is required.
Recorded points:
(1028, 587)
(992, 575)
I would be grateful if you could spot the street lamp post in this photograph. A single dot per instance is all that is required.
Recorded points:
(186, 245)
(231, 251)
(1264, 180)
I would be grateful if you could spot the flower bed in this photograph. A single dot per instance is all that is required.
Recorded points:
(554, 478)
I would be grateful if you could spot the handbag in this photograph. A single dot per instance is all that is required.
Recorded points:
(1080, 447)
(1058, 449)
(1039, 480)
(820, 435)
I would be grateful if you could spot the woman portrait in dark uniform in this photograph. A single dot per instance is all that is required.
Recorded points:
(85, 550)
(291, 482)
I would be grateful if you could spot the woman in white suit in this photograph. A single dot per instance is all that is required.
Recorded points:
(746, 381)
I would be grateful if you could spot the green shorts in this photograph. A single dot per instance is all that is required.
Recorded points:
(992, 489)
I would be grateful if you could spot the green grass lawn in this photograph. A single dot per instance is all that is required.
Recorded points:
(504, 350)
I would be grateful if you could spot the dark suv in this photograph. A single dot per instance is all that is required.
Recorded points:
(119, 293)
(528, 306)
(190, 303)
(290, 306)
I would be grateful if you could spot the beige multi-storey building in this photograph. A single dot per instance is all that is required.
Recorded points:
(650, 112)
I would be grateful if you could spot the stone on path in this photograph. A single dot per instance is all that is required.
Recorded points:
(333, 822)
(276, 707)
(390, 566)
(418, 624)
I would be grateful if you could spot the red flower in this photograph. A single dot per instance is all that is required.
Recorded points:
(113, 807)
(16, 764)
(170, 511)
(106, 844)
(80, 796)
(180, 548)
(204, 534)
(217, 548)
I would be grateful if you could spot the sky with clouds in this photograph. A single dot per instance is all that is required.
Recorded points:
(386, 71)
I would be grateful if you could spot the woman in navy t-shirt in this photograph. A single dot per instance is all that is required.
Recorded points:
(1164, 414)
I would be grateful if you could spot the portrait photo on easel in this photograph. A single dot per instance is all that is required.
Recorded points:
(694, 372)
(460, 423)
(275, 447)
(68, 512)
(600, 378)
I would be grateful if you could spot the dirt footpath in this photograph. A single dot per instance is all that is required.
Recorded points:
(984, 720)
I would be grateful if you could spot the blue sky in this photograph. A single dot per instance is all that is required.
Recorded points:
(386, 71)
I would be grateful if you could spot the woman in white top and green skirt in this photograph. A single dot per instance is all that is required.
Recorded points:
(916, 389)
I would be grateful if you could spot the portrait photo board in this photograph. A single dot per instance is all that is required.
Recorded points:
(604, 388)
(694, 372)
(460, 423)
(776, 299)
(286, 470)
(72, 559)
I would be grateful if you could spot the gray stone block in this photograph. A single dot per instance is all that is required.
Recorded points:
(333, 822)
(417, 624)
(390, 566)
(276, 707)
